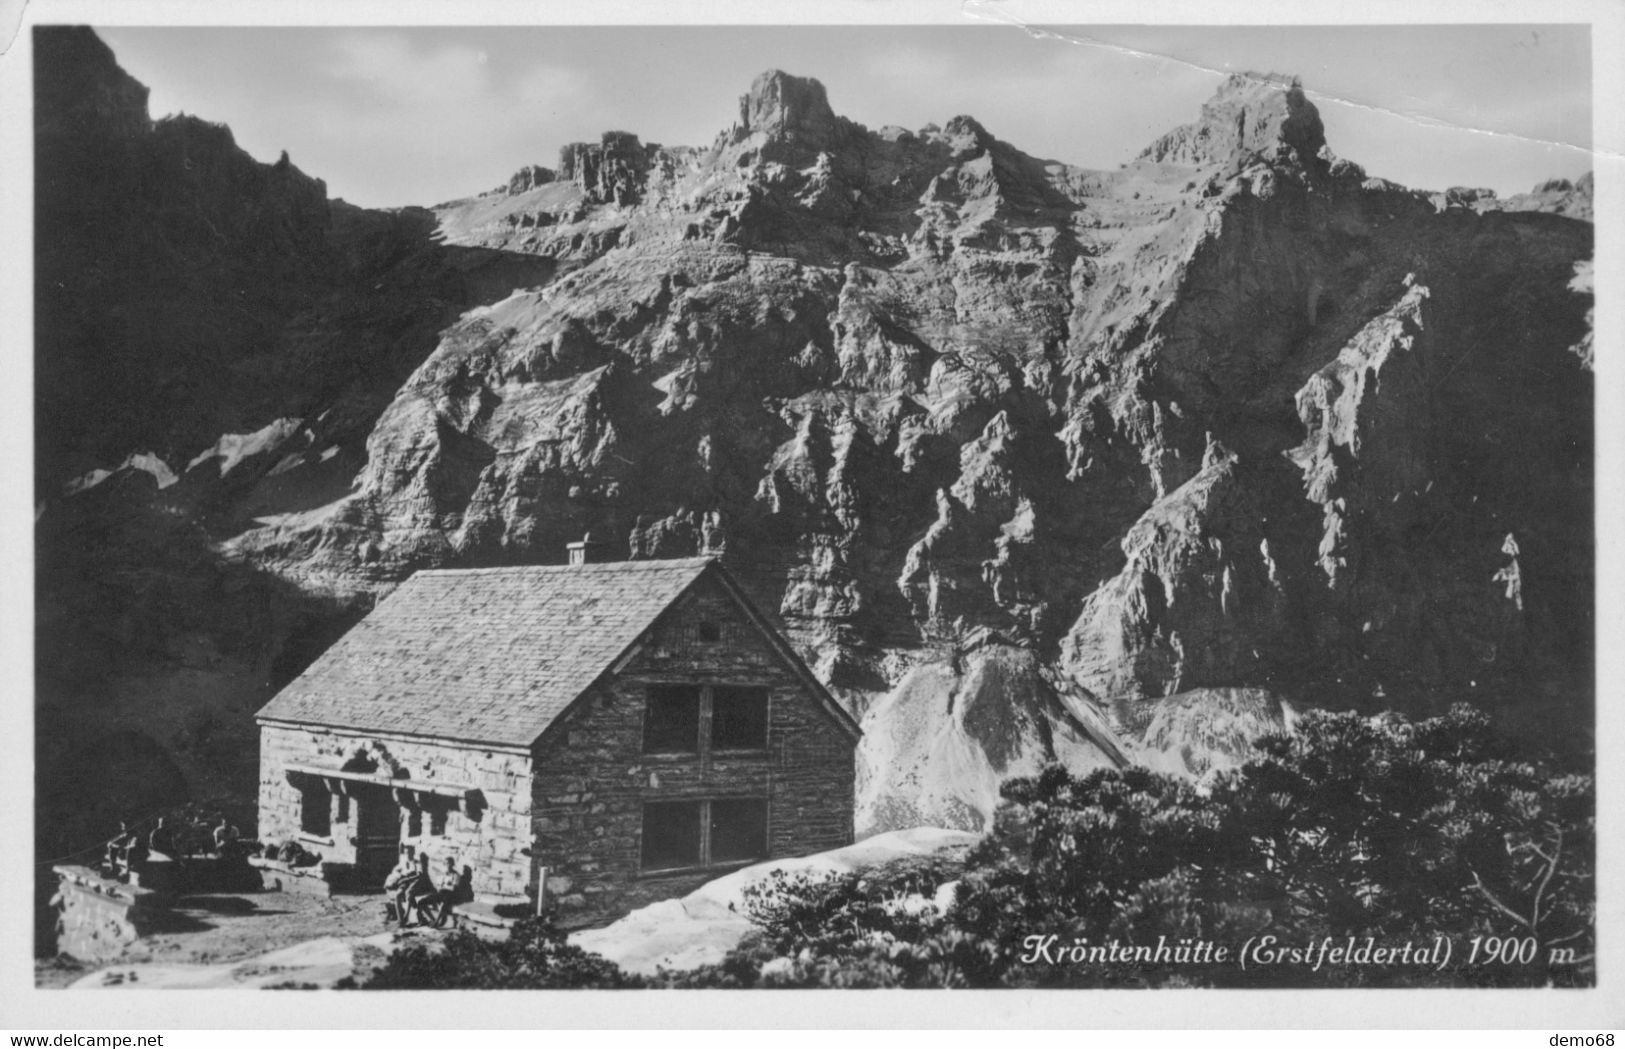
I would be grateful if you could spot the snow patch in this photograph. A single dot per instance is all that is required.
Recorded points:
(702, 927)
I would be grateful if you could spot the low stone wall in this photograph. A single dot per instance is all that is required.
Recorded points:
(276, 876)
(100, 916)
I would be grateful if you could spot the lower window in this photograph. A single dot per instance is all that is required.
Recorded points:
(671, 835)
(678, 834)
(738, 831)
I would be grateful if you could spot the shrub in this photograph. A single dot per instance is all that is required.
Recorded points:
(1351, 826)
(535, 955)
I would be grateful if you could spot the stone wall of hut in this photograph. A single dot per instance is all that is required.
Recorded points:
(487, 836)
(592, 778)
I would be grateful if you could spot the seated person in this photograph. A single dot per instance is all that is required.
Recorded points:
(162, 840)
(193, 839)
(135, 858)
(457, 889)
(118, 847)
(400, 876)
(420, 888)
(225, 838)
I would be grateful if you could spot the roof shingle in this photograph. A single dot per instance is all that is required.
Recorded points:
(489, 655)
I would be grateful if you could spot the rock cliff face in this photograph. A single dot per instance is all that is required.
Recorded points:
(1034, 463)
(215, 340)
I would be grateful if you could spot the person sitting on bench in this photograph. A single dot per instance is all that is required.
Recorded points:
(225, 839)
(455, 890)
(162, 841)
(135, 861)
(416, 891)
(400, 878)
(118, 849)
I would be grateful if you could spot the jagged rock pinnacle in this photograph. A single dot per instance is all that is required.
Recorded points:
(1250, 113)
(783, 106)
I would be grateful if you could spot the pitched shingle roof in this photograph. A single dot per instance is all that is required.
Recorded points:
(488, 655)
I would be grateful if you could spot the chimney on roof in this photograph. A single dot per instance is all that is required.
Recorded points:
(587, 550)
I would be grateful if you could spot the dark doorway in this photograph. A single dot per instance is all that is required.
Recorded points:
(377, 833)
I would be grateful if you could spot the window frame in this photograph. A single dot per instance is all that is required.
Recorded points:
(708, 717)
(315, 807)
(705, 732)
(701, 701)
(705, 862)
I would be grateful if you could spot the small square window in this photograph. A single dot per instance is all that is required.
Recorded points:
(738, 831)
(671, 835)
(710, 632)
(739, 718)
(671, 720)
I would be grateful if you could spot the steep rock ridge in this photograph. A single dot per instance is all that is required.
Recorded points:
(1416, 510)
(1034, 463)
(1556, 196)
(1198, 598)
(186, 290)
(183, 241)
(215, 340)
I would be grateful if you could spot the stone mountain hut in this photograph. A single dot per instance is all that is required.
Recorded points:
(634, 728)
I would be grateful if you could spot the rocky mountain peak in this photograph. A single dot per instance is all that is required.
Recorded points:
(1558, 196)
(613, 171)
(1250, 114)
(967, 134)
(78, 80)
(528, 178)
(783, 106)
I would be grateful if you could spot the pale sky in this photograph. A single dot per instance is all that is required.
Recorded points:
(394, 116)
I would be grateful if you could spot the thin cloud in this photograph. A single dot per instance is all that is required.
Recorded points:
(395, 72)
(547, 85)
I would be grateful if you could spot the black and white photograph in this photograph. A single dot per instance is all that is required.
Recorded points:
(954, 497)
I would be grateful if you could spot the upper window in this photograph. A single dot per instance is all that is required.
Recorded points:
(671, 724)
(738, 718)
(681, 719)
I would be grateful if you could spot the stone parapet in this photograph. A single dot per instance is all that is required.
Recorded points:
(101, 916)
